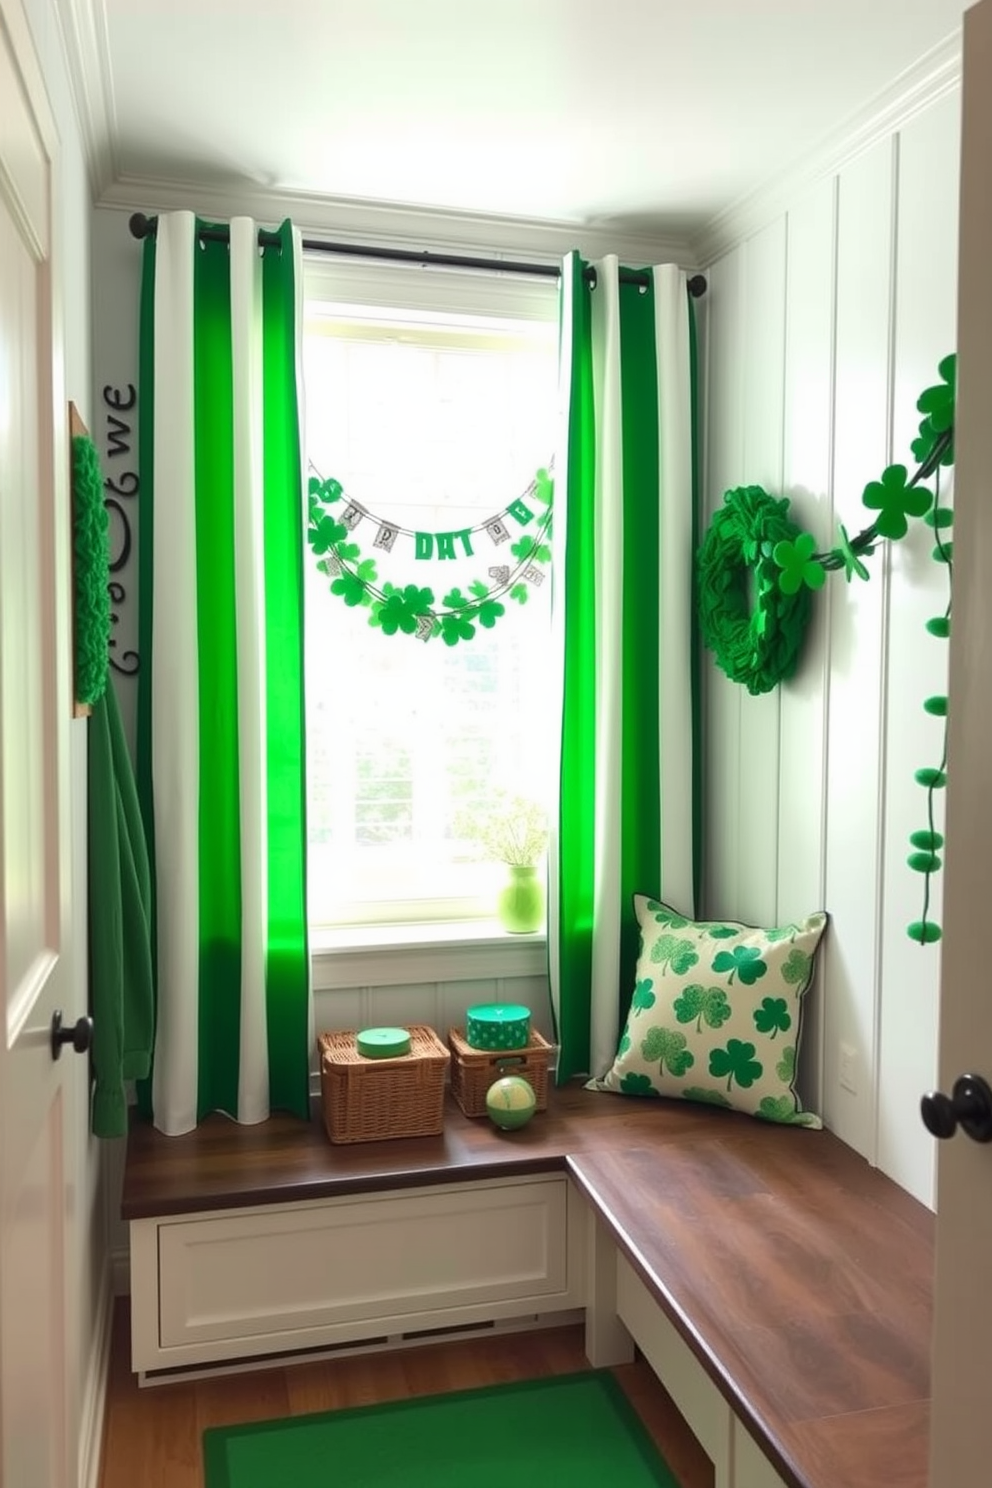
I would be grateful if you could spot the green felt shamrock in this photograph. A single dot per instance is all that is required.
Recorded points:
(736, 1062)
(894, 501)
(798, 566)
(851, 562)
(665, 1046)
(786, 1067)
(325, 533)
(489, 612)
(782, 1108)
(707, 1097)
(350, 588)
(455, 628)
(698, 1003)
(637, 1085)
(643, 996)
(772, 1015)
(544, 488)
(668, 950)
(743, 961)
(529, 547)
(796, 967)
(401, 608)
(325, 491)
(937, 403)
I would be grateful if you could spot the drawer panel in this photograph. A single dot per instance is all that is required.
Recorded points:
(751, 1467)
(286, 1269)
(707, 1413)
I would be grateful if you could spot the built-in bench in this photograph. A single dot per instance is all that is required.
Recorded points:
(780, 1288)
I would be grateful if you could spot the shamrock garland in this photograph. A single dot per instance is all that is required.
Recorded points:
(751, 546)
(411, 609)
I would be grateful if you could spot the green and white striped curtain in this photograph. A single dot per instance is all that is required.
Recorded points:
(221, 766)
(622, 618)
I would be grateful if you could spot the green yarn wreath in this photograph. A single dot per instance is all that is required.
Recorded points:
(91, 571)
(752, 623)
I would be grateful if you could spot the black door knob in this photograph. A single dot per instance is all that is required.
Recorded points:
(969, 1106)
(79, 1035)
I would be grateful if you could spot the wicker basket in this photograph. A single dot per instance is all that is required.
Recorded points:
(368, 1100)
(474, 1070)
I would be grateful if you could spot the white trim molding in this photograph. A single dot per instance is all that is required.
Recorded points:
(95, 1388)
(85, 44)
(937, 73)
(417, 955)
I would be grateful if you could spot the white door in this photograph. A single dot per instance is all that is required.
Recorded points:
(35, 708)
(961, 1429)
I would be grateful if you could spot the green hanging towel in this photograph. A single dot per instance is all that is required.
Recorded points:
(121, 993)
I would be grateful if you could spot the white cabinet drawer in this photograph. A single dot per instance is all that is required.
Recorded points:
(707, 1413)
(751, 1467)
(287, 1277)
(366, 1259)
(738, 1461)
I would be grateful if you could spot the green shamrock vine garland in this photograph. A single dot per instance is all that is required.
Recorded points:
(757, 571)
(411, 609)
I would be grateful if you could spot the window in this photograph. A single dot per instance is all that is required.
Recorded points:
(432, 398)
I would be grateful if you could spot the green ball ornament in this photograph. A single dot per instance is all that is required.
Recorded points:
(926, 840)
(924, 932)
(511, 1102)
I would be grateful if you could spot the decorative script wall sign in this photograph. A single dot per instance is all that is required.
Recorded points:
(122, 487)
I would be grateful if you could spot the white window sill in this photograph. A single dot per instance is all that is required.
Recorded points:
(406, 955)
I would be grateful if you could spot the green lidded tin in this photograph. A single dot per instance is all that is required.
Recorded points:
(383, 1043)
(497, 1025)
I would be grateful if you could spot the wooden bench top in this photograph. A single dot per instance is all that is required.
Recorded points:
(800, 1277)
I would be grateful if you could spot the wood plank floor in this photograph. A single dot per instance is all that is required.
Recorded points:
(152, 1435)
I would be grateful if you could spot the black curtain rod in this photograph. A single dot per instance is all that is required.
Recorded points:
(144, 227)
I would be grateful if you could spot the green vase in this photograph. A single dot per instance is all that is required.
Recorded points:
(520, 905)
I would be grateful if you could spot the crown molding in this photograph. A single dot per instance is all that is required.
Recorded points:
(387, 224)
(82, 28)
(936, 74)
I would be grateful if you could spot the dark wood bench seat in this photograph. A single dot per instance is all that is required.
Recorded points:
(799, 1277)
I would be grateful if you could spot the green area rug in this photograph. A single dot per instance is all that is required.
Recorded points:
(576, 1429)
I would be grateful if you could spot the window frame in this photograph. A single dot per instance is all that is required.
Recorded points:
(460, 935)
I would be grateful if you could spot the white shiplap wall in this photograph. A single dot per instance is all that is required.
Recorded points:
(440, 1004)
(821, 329)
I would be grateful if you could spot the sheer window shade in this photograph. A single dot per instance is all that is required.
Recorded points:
(433, 400)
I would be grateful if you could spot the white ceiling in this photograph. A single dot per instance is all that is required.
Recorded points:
(642, 115)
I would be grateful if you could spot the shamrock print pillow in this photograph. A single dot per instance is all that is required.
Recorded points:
(716, 1013)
